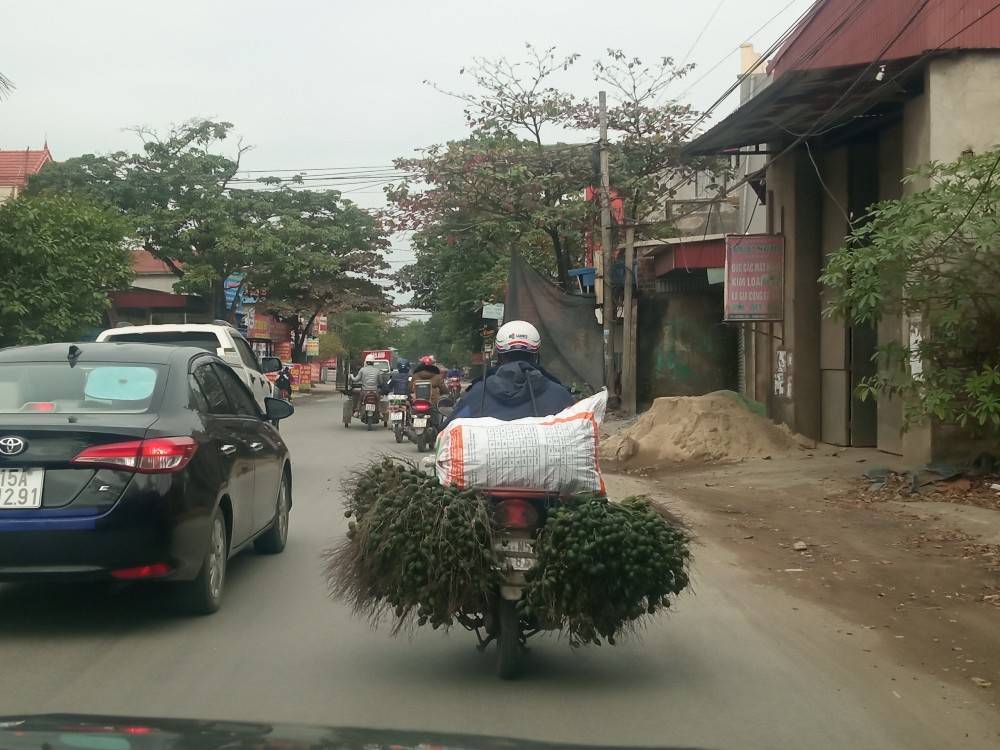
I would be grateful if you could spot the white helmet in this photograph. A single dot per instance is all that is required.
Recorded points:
(369, 360)
(517, 336)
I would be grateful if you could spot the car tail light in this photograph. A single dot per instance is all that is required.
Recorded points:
(154, 456)
(421, 407)
(517, 514)
(143, 571)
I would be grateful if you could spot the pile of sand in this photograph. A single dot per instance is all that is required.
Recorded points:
(681, 429)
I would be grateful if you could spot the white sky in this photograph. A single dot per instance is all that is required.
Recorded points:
(317, 84)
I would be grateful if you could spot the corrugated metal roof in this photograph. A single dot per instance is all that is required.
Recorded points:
(854, 32)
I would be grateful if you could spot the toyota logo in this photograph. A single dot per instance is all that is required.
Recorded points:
(11, 446)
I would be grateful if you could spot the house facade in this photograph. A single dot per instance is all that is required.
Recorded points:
(859, 95)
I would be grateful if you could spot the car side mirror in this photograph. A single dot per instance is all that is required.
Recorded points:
(270, 364)
(277, 408)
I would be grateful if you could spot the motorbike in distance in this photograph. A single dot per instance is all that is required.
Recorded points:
(369, 407)
(455, 387)
(399, 415)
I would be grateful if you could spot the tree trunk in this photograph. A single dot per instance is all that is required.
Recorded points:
(562, 267)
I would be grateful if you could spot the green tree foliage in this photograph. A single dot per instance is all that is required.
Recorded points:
(60, 255)
(360, 330)
(174, 192)
(431, 336)
(932, 256)
(518, 181)
(317, 254)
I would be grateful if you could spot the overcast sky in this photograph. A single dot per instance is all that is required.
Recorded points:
(315, 84)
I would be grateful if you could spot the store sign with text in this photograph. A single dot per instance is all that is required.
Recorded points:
(755, 277)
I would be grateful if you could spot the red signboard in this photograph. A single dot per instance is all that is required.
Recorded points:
(755, 265)
(314, 371)
(283, 350)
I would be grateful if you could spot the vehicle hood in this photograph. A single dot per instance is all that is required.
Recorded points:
(92, 732)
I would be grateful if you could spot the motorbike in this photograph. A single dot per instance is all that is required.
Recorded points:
(455, 387)
(368, 408)
(423, 423)
(521, 514)
(399, 415)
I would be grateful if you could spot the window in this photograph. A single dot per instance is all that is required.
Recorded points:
(212, 389)
(202, 339)
(115, 387)
(237, 392)
(246, 354)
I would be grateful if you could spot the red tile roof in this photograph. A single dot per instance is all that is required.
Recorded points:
(144, 262)
(15, 166)
(838, 33)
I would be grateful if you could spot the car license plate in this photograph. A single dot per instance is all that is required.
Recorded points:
(420, 421)
(21, 488)
(514, 550)
(396, 416)
(369, 407)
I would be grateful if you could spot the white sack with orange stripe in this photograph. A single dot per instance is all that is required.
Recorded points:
(555, 454)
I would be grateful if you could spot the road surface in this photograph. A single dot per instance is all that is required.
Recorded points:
(735, 666)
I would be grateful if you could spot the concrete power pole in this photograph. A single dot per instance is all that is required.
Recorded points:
(607, 257)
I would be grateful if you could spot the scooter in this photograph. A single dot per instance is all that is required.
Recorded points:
(399, 415)
(369, 408)
(423, 423)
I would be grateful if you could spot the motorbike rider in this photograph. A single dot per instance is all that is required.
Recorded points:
(428, 371)
(284, 384)
(370, 378)
(518, 386)
(399, 379)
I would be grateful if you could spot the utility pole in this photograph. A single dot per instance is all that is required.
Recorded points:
(607, 256)
(628, 329)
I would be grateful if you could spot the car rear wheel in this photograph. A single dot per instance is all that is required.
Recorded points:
(273, 541)
(203, 595)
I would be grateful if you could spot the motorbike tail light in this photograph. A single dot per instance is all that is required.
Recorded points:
(153, 456)
(517, 514)
(143, 571)
(421, 407)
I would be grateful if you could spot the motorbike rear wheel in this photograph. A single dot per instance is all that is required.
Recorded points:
(398, 430)
(421, 442)
(508, 639)
(368, 421)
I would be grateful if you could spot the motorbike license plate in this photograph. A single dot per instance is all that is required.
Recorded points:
(369, 407)
(396, 416)
(21, 488)
(516, 552)
(420, 421)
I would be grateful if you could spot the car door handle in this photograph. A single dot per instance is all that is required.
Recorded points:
(228, 449)
(255, 447)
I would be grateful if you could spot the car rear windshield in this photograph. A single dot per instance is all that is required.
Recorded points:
(202, 339)
(111, 387)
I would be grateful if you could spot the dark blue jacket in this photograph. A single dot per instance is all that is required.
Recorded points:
(399, 383)
(512, 391)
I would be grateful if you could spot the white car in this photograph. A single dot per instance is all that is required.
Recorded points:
(220, 338)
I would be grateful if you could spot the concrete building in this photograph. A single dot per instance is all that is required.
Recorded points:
(858, 95)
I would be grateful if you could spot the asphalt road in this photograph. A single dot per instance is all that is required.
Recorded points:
(736, 666)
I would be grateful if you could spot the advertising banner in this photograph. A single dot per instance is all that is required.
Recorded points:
(755, 265)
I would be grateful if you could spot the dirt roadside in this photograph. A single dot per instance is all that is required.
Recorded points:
(925, 576)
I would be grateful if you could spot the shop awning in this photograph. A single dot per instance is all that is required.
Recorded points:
(686, 253)
(838, 101)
